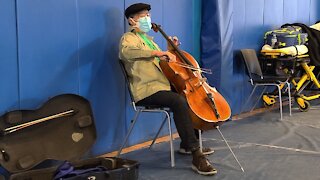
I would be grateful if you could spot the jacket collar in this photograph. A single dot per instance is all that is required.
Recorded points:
(135, 31)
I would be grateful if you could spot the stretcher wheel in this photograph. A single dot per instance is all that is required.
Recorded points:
(304, 105)
(268, 101)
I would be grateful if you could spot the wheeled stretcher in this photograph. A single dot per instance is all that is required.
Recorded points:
(293, 60)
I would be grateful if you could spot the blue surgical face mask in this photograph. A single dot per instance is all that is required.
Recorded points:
(145, 24)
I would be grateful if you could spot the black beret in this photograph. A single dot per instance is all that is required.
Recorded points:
(134, 8)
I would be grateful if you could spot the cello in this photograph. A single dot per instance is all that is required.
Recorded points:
(208, 107)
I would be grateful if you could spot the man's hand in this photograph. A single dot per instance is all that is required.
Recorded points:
(164, 55)
(175, 41)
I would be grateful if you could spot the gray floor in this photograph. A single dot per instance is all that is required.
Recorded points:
(267, 148)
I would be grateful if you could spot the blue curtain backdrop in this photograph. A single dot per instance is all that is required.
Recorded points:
(230, 25)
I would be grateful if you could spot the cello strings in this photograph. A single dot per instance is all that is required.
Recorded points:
(203, 70)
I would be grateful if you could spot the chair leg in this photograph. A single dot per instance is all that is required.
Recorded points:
(260, 96)
(289, 94)
(129, 132)
(248, 99)
(156, 136)
(168, 119)
(280, 100)
(224, 139)
(171, 139)
(171, 142)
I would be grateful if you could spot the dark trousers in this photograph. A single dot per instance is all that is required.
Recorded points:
(179, 106)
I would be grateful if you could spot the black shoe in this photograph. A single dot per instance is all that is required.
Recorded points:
(202, 166)
(205, 151)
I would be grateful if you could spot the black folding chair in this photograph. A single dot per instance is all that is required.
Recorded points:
(147, 109)
(258, 79)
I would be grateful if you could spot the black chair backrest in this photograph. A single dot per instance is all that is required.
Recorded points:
(127, 80)
(252, 63)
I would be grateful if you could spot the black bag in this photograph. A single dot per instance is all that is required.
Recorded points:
(285, 36)
(110, 168)
(281, 66)
(62, 129)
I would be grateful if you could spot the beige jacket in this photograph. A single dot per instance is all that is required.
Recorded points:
(144, 72)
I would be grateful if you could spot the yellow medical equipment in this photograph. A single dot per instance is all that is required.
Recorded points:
(299, 62)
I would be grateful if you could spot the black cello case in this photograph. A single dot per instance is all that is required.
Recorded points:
(63, 130)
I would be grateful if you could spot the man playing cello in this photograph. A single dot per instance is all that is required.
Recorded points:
(149, 86)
